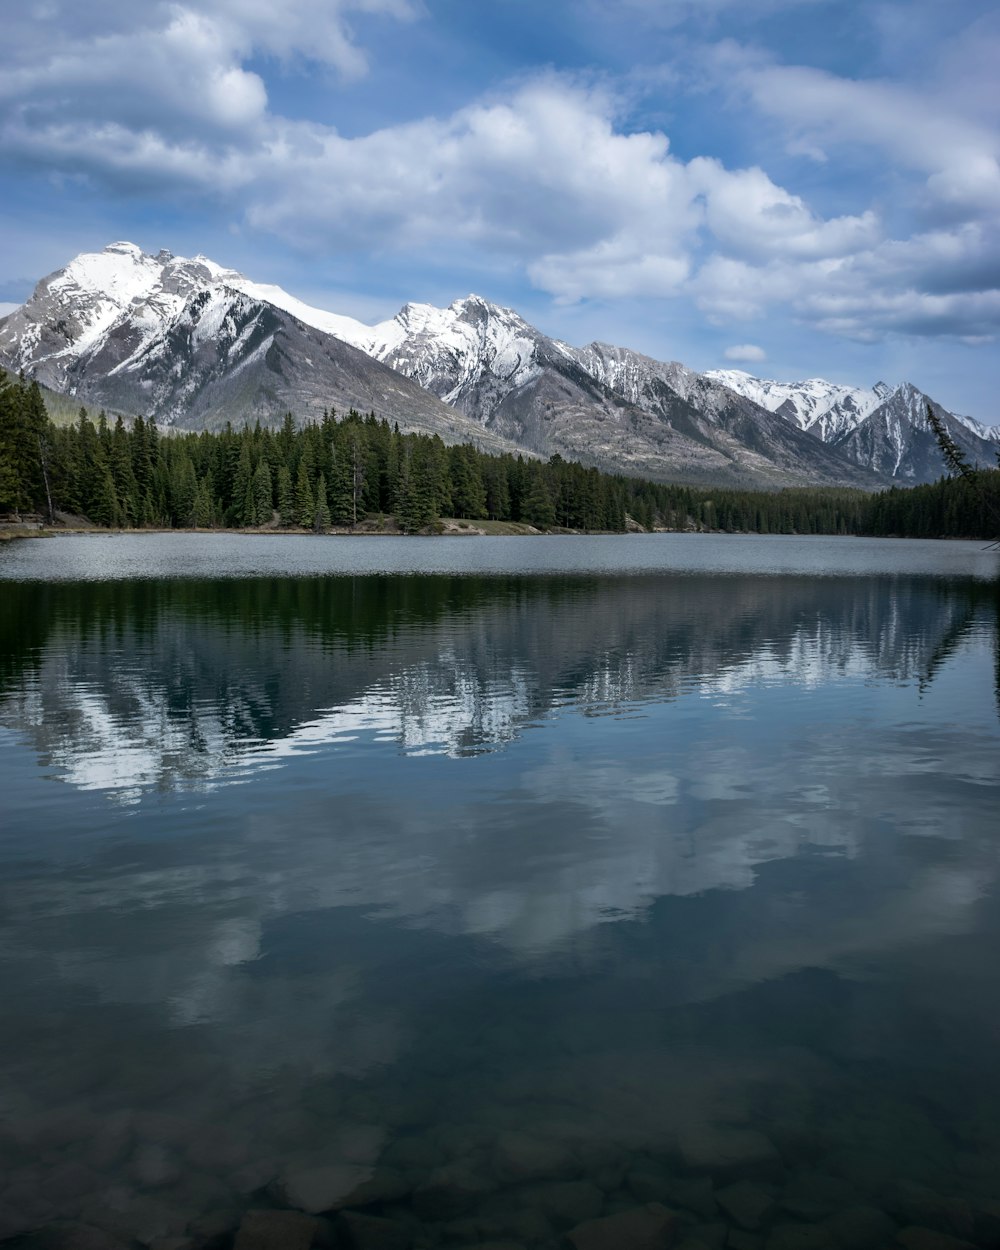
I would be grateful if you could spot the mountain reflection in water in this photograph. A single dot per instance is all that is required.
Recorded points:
(140, 685)
(692, 877)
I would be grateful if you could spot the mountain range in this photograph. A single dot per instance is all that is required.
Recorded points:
(193, 345)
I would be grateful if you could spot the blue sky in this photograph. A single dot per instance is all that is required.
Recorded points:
(795, 187)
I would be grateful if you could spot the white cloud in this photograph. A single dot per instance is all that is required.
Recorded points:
(745, 351)
(8, 308)
(916, 129)
(544, 175)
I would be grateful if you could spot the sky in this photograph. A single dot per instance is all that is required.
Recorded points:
(797, 188)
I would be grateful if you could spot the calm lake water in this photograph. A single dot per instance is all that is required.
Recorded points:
(494, 885)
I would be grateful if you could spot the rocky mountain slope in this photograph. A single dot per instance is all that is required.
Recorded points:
(884, 429)
(193, 344)
(601, 405)
(176, 340)
(724, 425)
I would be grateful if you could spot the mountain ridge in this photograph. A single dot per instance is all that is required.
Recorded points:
(192, 343)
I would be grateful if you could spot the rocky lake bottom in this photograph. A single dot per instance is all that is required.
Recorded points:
(605, 893)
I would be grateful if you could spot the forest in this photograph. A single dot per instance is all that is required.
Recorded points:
(357, 470)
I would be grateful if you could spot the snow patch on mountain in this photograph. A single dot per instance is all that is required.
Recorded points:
(826, 409)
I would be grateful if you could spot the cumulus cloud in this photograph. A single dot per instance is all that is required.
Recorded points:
(745, 351)
(545, 174)
(917, 129)
(314, 30)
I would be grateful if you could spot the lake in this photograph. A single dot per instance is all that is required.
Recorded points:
(490, 886)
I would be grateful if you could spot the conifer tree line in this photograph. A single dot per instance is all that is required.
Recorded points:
(343, 471)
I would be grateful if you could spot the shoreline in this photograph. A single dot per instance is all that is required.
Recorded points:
(16, 533)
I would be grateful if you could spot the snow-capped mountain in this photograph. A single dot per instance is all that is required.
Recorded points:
(826, 409)
(491, 364)
(599, 404)
(192, 343)
(884, 428)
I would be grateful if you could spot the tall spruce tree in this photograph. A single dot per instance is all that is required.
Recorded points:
(305, 504)
(321, 519)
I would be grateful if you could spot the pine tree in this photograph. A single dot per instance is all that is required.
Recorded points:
(242, 497)
(468, 494)
(261, 492)
(126, 487)
(204, 508)
(286, 499)
(305, 504)
(183, 487)
(321, 520)
(105, 509)
(538, 506)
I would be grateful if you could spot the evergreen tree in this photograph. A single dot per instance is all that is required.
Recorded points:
(262, 498)
(204, 509)
(467, 492)
(538, 506)
(305, 504)
(286, 498)
(321, 520)
(242, 497)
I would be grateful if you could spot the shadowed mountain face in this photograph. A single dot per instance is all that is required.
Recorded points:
(897, 441)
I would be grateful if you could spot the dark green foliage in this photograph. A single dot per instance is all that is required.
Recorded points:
(286, 500)
(305, 505)
(321, 519)
(263, 503)
(337, 471)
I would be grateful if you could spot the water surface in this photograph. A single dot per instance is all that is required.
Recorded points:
(473, 871)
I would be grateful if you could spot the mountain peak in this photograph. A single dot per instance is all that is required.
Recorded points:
(124, 248)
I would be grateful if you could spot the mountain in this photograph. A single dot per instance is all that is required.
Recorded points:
(885, 428)
(722, 426)
(602, 405)
(179, 340)
(193, 344)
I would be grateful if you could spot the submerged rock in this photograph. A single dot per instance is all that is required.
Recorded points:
(925, 1208)
(322, 1188)
(814, 1195)
(153, 1166)
(747, 1204)
(70, 1235)
(916, 1238)
(693, 1193)
(800, 1237)
(276, 1230)
(521, 1157)
(722, 1149)
(359, 1231)
(649, 1227)
(861, 1228)
(565, 1203)
(450, 1191)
